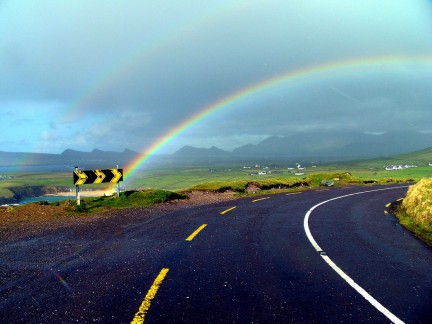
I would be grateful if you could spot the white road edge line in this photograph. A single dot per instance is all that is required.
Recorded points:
(338, 270)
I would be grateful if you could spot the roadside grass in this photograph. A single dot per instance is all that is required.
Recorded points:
(241, 186)
(221, 186)
(339, 178)
(281, 183)
(127, 199)
(423, 232)
(415, 212)
(313, 180)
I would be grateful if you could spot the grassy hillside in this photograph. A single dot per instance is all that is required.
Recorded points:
(423, 156)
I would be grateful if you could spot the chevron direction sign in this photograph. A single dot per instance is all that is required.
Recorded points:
(81, 177)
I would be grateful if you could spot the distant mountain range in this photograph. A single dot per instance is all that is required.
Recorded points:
(70, 158)
(324, 146)
(99, 156)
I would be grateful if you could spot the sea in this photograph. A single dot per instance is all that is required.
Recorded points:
(36, 168)
(50, 199)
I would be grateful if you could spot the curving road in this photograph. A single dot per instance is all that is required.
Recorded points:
(252, 260)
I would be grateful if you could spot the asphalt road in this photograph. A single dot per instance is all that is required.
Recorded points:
(252, 264)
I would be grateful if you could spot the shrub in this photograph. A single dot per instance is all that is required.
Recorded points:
(418, 203)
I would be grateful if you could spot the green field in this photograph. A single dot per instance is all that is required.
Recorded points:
(182, 178)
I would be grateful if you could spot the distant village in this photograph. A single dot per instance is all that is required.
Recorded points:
(299, 170)
(401, 167)
(265, 169)
(5, 177)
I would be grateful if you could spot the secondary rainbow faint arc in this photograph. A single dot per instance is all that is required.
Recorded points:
(117, 72)
(259, 87)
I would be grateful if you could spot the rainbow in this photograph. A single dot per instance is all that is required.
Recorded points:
(330, 69)
(159, 43)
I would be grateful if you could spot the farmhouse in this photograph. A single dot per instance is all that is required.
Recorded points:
(399, 167)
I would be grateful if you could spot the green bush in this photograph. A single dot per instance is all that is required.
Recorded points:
(416, 210)
(418, 202)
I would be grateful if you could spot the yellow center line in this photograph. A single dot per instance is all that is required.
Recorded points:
(228, 210)
(199, 229)
(145, 306)
(388, 205)
(293, 193)
(260, 199)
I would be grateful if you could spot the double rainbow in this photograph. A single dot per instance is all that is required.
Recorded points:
(308, 73)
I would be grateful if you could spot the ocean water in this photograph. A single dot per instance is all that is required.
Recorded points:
(46, 198)
(36, 168)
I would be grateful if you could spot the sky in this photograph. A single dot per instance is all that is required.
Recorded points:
(112, 75)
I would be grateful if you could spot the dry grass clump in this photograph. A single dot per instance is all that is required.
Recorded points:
(418, 203)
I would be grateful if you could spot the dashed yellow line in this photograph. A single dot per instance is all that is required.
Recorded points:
(228, 210)
(145, 306)
(385, 212)
(260, 199)
(199, 229)
(388, 205)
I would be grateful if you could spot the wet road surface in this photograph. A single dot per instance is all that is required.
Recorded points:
(241, 261)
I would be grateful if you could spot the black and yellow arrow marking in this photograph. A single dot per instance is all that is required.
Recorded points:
(81, 177)
(117, 175)
(100, 176)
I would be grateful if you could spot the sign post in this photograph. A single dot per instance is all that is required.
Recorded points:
(78, 200)
(118, 186)
(77, 191)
